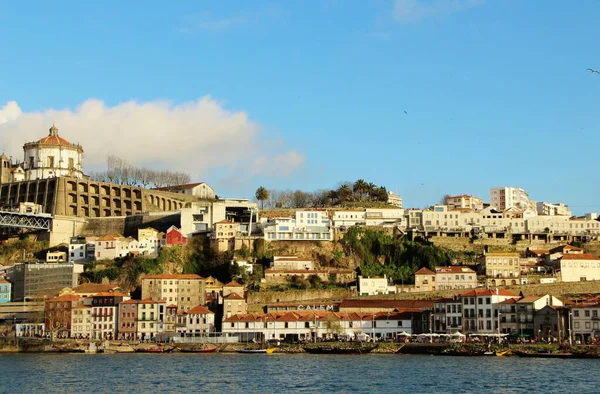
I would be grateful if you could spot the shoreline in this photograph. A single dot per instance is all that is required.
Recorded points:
(38, 345)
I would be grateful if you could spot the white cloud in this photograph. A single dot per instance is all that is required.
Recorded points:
(407, 11)
(199, 137)
(281, 164)
(9, 112)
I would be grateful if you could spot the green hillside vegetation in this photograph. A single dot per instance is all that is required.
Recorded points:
(381, 253)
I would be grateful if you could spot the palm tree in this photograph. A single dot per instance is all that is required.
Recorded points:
(370, 188)
(359, 187)
(381, 194)
(345, 193)
(261, 195)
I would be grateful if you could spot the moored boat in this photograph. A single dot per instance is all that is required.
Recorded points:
(154, 349)
(333, 349)
(204, 349)
(256, 351)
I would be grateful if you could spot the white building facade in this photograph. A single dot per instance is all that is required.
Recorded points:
(508, 197)
(51, 157)
(305, 225)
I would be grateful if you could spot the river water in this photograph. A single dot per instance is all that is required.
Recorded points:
(238, 373)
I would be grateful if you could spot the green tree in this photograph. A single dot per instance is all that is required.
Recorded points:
(370, 189)
(333, 326)
(315, 281)
(298, 282)
(261, 195)
(332, 279)
(359, 188)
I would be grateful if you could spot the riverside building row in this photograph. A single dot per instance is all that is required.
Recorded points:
(171, 305)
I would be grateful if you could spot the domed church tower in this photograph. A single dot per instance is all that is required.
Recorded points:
(52, 156)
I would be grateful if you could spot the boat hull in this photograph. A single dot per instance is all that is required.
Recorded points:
(256, 351)
(336, 350)
(198, 350)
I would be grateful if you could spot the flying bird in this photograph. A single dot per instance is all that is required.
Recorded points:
(593, 71)
(406, 112)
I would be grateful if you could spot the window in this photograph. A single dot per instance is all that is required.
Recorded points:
(71, 163)
(51, 161)
(576, 314)
(488, 301)
(587, 313)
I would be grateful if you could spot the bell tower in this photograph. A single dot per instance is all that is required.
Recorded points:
(5, 165)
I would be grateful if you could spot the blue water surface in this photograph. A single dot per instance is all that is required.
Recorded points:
(236, 373)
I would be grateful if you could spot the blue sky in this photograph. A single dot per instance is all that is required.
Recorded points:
(496, 91)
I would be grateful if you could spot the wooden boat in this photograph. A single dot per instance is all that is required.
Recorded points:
(257, 351)
(203, 349)
(503, 353)
(154, 350)
(330, 349)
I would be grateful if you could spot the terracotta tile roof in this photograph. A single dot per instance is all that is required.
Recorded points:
(81, 306)
(233, 296)
(530, 298)
(539, 252)
(199, 310)
(393, 316)
(54, 140)
(172, 306)
(424, 271)
(225, 221)
(288, 304)
(4, 281)
(109, 294)
(65, 297)
(110, 237)
(233, 283)
(400, 305)
(570, 256)
(454, 270)
(311, 316)
(172, 276)
(509, 301)
(488, 292)
(567, 247)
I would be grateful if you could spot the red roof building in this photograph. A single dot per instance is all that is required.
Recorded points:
(174, 237)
